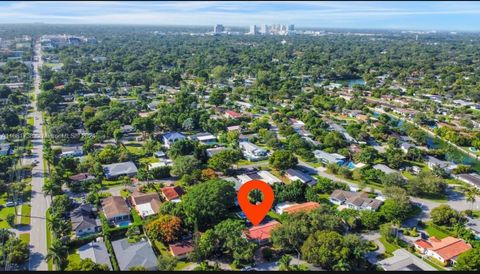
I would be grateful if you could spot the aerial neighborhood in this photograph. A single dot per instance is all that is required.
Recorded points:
(372, 156)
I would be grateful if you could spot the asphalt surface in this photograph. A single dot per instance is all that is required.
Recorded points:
(39, 202)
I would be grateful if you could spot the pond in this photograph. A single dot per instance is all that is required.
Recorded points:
(453, 154)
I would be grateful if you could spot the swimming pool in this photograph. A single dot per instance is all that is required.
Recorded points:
(123, 224)
(351, 165)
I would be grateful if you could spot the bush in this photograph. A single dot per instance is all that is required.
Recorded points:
(11, 219)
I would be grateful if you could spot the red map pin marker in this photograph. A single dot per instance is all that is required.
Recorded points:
(255, 213)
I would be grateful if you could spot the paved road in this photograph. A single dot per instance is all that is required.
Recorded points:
(40, 203)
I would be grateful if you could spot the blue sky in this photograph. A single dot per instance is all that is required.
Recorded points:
(365, 14)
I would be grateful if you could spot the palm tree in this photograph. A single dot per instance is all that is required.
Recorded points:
(58, 254)
(471, 194)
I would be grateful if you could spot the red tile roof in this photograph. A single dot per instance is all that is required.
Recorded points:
(260, 232)
(181, 248)
(305, 207)
(172, 192)
(232, 114)
(447, 248)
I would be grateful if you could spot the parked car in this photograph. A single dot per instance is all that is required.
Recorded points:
(9, 204)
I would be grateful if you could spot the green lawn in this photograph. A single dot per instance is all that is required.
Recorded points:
(3, 215)
(25, 219)
(162, 248)
(244, 162)
(134, 148)
(25, 237)
(124, 193)
(181, 265)
(389, 247)
(30, 121)
(49, 240)
(433, 230)
(108, 183)
(148, 160)
(136, 218)
(73, 257)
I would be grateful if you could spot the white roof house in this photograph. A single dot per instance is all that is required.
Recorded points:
(385, 169)
(327, 158)
(403, 260)
(170, 137)
(253, 152)
(262, 175)
(72, 151)
(433, 162)
(97, 252)
(4, 149)
(205, 138)
(294, 175)
(120, 169)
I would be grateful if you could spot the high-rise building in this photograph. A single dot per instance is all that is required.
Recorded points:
(218, 28)
(264, 29)
(291, 27)
(253, 30)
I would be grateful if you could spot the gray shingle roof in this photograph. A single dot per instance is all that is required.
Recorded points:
(84, 217)
(96, 251)
(120, 168)
(134, 254)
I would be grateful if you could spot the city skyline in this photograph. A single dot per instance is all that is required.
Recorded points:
(458, 16)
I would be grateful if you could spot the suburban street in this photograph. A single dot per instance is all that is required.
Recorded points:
(455, 200)
(40, 203)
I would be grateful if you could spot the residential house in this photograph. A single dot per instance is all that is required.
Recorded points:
(113, 171)
(260, 233)
(171, 137)
(81, 178)
(85, 220)
(205, 138)
(404, 146)
(403, 260)
(232, 114)
(234, 128)
(4, 149)
(181, 249)
(384, 168)
(252, 152)
(146, 204)
(116, 210)
(72, 151)
(433, 162)
(329, 158)
(172, 193)
(445, 250)
(262, 175)
(127, 129)
(159, 154)
(355, 200)
(294, 174)
(215, 150)
(134, 254)
(97, 252)
(290, 208)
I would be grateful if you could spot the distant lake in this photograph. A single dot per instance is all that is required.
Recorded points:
(351, 82)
